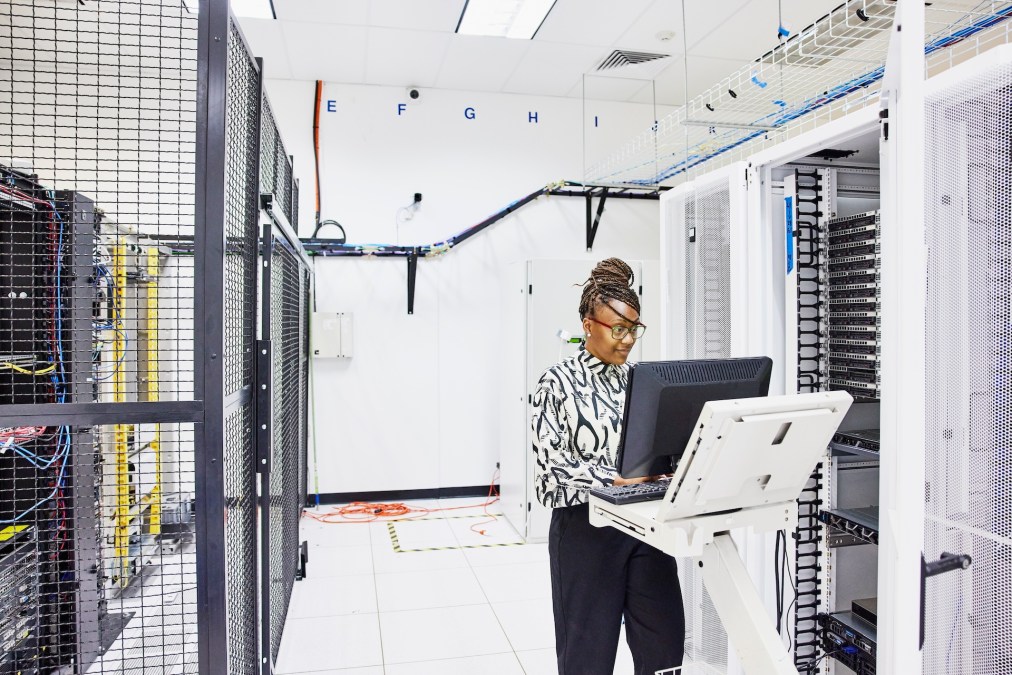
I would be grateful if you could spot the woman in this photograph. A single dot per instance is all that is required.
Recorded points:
(600, 575)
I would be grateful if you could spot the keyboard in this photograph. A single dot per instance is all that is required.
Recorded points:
(631, 494)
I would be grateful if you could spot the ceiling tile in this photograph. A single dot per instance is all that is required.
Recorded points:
(552, 69)
(799, 14)
(752, 31)
(404, 57)
(326, 52)
(659, 17)
(267, 40)
(609, 88)
(498, 57)
(349, 12)
(434, 15)
(590, 22)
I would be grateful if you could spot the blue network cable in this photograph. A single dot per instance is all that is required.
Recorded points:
(63, 454)
(59, 379)
(103, 272)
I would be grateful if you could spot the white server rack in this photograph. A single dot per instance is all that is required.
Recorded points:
(704, 272)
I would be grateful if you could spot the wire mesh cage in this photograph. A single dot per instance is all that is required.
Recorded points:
(286, 278)
(285, 306)
(110, 491)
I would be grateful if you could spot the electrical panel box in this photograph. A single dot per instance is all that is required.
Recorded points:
(330, 335)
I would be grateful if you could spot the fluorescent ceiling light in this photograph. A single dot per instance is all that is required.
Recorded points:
(254, 9)
(518, 19)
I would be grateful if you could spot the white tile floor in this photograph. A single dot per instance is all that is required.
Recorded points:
(470, 607)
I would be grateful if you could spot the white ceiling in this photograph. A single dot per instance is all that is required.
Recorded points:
(412, 43)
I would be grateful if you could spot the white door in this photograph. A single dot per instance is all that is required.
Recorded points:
(968, 353)
(554, 305)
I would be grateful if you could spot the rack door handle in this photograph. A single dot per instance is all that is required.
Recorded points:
(948, 562)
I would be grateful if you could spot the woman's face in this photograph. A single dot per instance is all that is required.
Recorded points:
(600, 342)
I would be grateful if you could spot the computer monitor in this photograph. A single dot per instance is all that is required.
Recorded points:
(664, 400)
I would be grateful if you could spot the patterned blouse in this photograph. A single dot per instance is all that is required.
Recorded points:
(577, 423)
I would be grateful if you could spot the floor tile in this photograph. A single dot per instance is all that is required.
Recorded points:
(481, 531)
(492, 664)
(372, 670)
(524, 581)
(334, 534)
(544, 661)
(539, 661)
(388, 560)
(427, 589)
(529, 624)
(506, 555)
(444, 633)
(415, 535)
(334, 596)
(341, 561)
(331, 642)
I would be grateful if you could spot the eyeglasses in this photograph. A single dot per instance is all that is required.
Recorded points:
(618, 331)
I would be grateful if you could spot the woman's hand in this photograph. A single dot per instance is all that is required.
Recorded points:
(632, 481)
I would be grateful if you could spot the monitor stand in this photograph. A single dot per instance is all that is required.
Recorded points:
(706, 539)
(749, 629)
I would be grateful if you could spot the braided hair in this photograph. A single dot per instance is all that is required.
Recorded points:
(610, 279)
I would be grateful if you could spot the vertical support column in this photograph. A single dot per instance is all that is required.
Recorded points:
(80, 218)
(903, 276)
(209, 256)
(152, 268)
(121, 468)
(264, 436)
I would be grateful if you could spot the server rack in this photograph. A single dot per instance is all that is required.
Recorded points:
(132, 492)
(46, 244)
(833, 291)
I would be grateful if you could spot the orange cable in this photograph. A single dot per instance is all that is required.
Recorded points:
(316, 144)
(370, 512)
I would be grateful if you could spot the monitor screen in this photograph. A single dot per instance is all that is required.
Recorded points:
(664, 400)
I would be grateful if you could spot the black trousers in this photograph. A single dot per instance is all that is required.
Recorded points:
(600, 575)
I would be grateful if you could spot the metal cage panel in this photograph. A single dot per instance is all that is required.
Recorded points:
(968, 433)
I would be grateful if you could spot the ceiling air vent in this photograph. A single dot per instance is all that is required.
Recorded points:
(621, 58)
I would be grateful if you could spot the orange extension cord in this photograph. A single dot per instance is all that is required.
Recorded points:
(369, 512)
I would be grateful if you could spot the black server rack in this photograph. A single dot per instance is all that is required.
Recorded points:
(47, 473)
(19, 600)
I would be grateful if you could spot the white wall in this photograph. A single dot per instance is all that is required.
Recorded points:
(416, 407)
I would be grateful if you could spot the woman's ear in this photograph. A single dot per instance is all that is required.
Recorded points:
(587, 323)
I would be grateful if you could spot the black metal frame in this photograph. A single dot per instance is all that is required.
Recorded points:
(282, 412)
(280, 249)
(808, 534)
